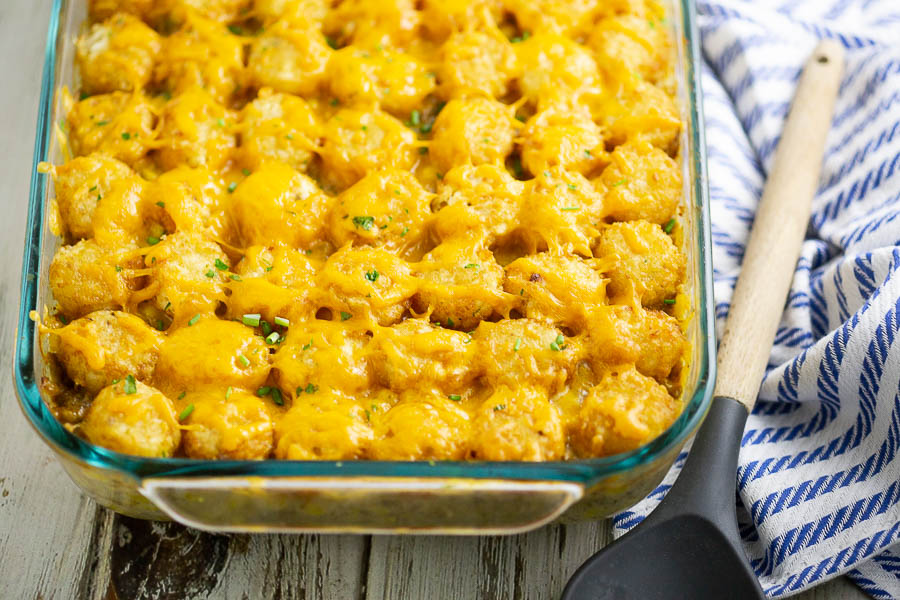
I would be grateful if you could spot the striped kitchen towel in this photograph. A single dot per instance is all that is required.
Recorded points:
(819, 471)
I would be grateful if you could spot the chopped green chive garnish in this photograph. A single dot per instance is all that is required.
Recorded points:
(221, 265)
(423, 150)
(669, 301)
(588, 153)
(345, 315)
(364, 128)
(364, 222)
(160, 325)
(415, 117)
(572, 186)
(404, 232)
(220, 122)
(246, 172)
(450, 322)
(499, 407)
(244, 360)
(372, 275)
(235, 277)
(231, 187)
(263, 391)
(668, 227)
(102, 123)
(186, 412)
(251, 320)
(282, 321)
(235, 29)
(311, 389)
(569, 208)
(426, 128)
(130, 385)
(193, 320)
(455, 397)
(210, 273)
(266, 328)
(63, 318)
(334, 102)
(118, 268)
(273, 337)
(276, 397)
(558, 344)
(620, 182)
(309, 345)
(517, 345)
(152, 240)
(161, 204)
(471, 266)
(126, 136)
(182, 395)
(331, 42)
(228, 392)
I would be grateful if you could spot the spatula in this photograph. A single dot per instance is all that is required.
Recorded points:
(689, 547)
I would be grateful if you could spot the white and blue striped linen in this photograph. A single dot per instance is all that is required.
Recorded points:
(819, 471)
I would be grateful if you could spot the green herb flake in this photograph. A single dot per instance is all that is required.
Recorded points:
(363, 222)
(372, 275)
(228, 392)
(126, 136)
(220, 122)
(231, 187)
(311, 389)
(404, 232)
(251, 319)
(588, 154)
(668, 227)
(334, 102)
(620, 182)
(161, 204)
(517, 345)
(263, 391)
(236, 29)
(235, 277)
(471, 266)
(152, 240)
(558, 344)
(345, 315)
(182, 395)
(309, 345)
(572, 186)
(415, 117)
(244, 360)
(246, 172)
(220, 265)
(266, 328)
(669, 301)
(93, 189)
(499, 407)
(426, 128)
(193, 320)
(186, 412)
(331, 43)
(160, 325)
(210, 274)
(118, 268)
(130, 386)
(276, 397)
(450, 322)
(102, 123)
(569, 208)
(455, 397)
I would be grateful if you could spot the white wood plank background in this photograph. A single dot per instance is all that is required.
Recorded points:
(56, 544)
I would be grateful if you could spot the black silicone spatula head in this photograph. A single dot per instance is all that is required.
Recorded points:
(689, 546)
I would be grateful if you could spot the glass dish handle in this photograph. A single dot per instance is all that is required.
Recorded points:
(361, 505)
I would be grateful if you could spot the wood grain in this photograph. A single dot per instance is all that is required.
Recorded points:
(56, 544)
(778, 230)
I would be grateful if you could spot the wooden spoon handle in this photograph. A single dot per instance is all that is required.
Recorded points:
(778, 231)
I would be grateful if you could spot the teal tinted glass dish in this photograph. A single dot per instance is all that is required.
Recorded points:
(611, 483)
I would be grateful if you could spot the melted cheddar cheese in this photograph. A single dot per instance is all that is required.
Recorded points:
(370, 229)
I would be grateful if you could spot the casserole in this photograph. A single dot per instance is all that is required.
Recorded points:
(442, 496)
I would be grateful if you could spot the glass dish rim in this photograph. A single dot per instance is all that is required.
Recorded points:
(585, 471)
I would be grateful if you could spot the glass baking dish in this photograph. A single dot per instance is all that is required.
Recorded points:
(362, 496)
